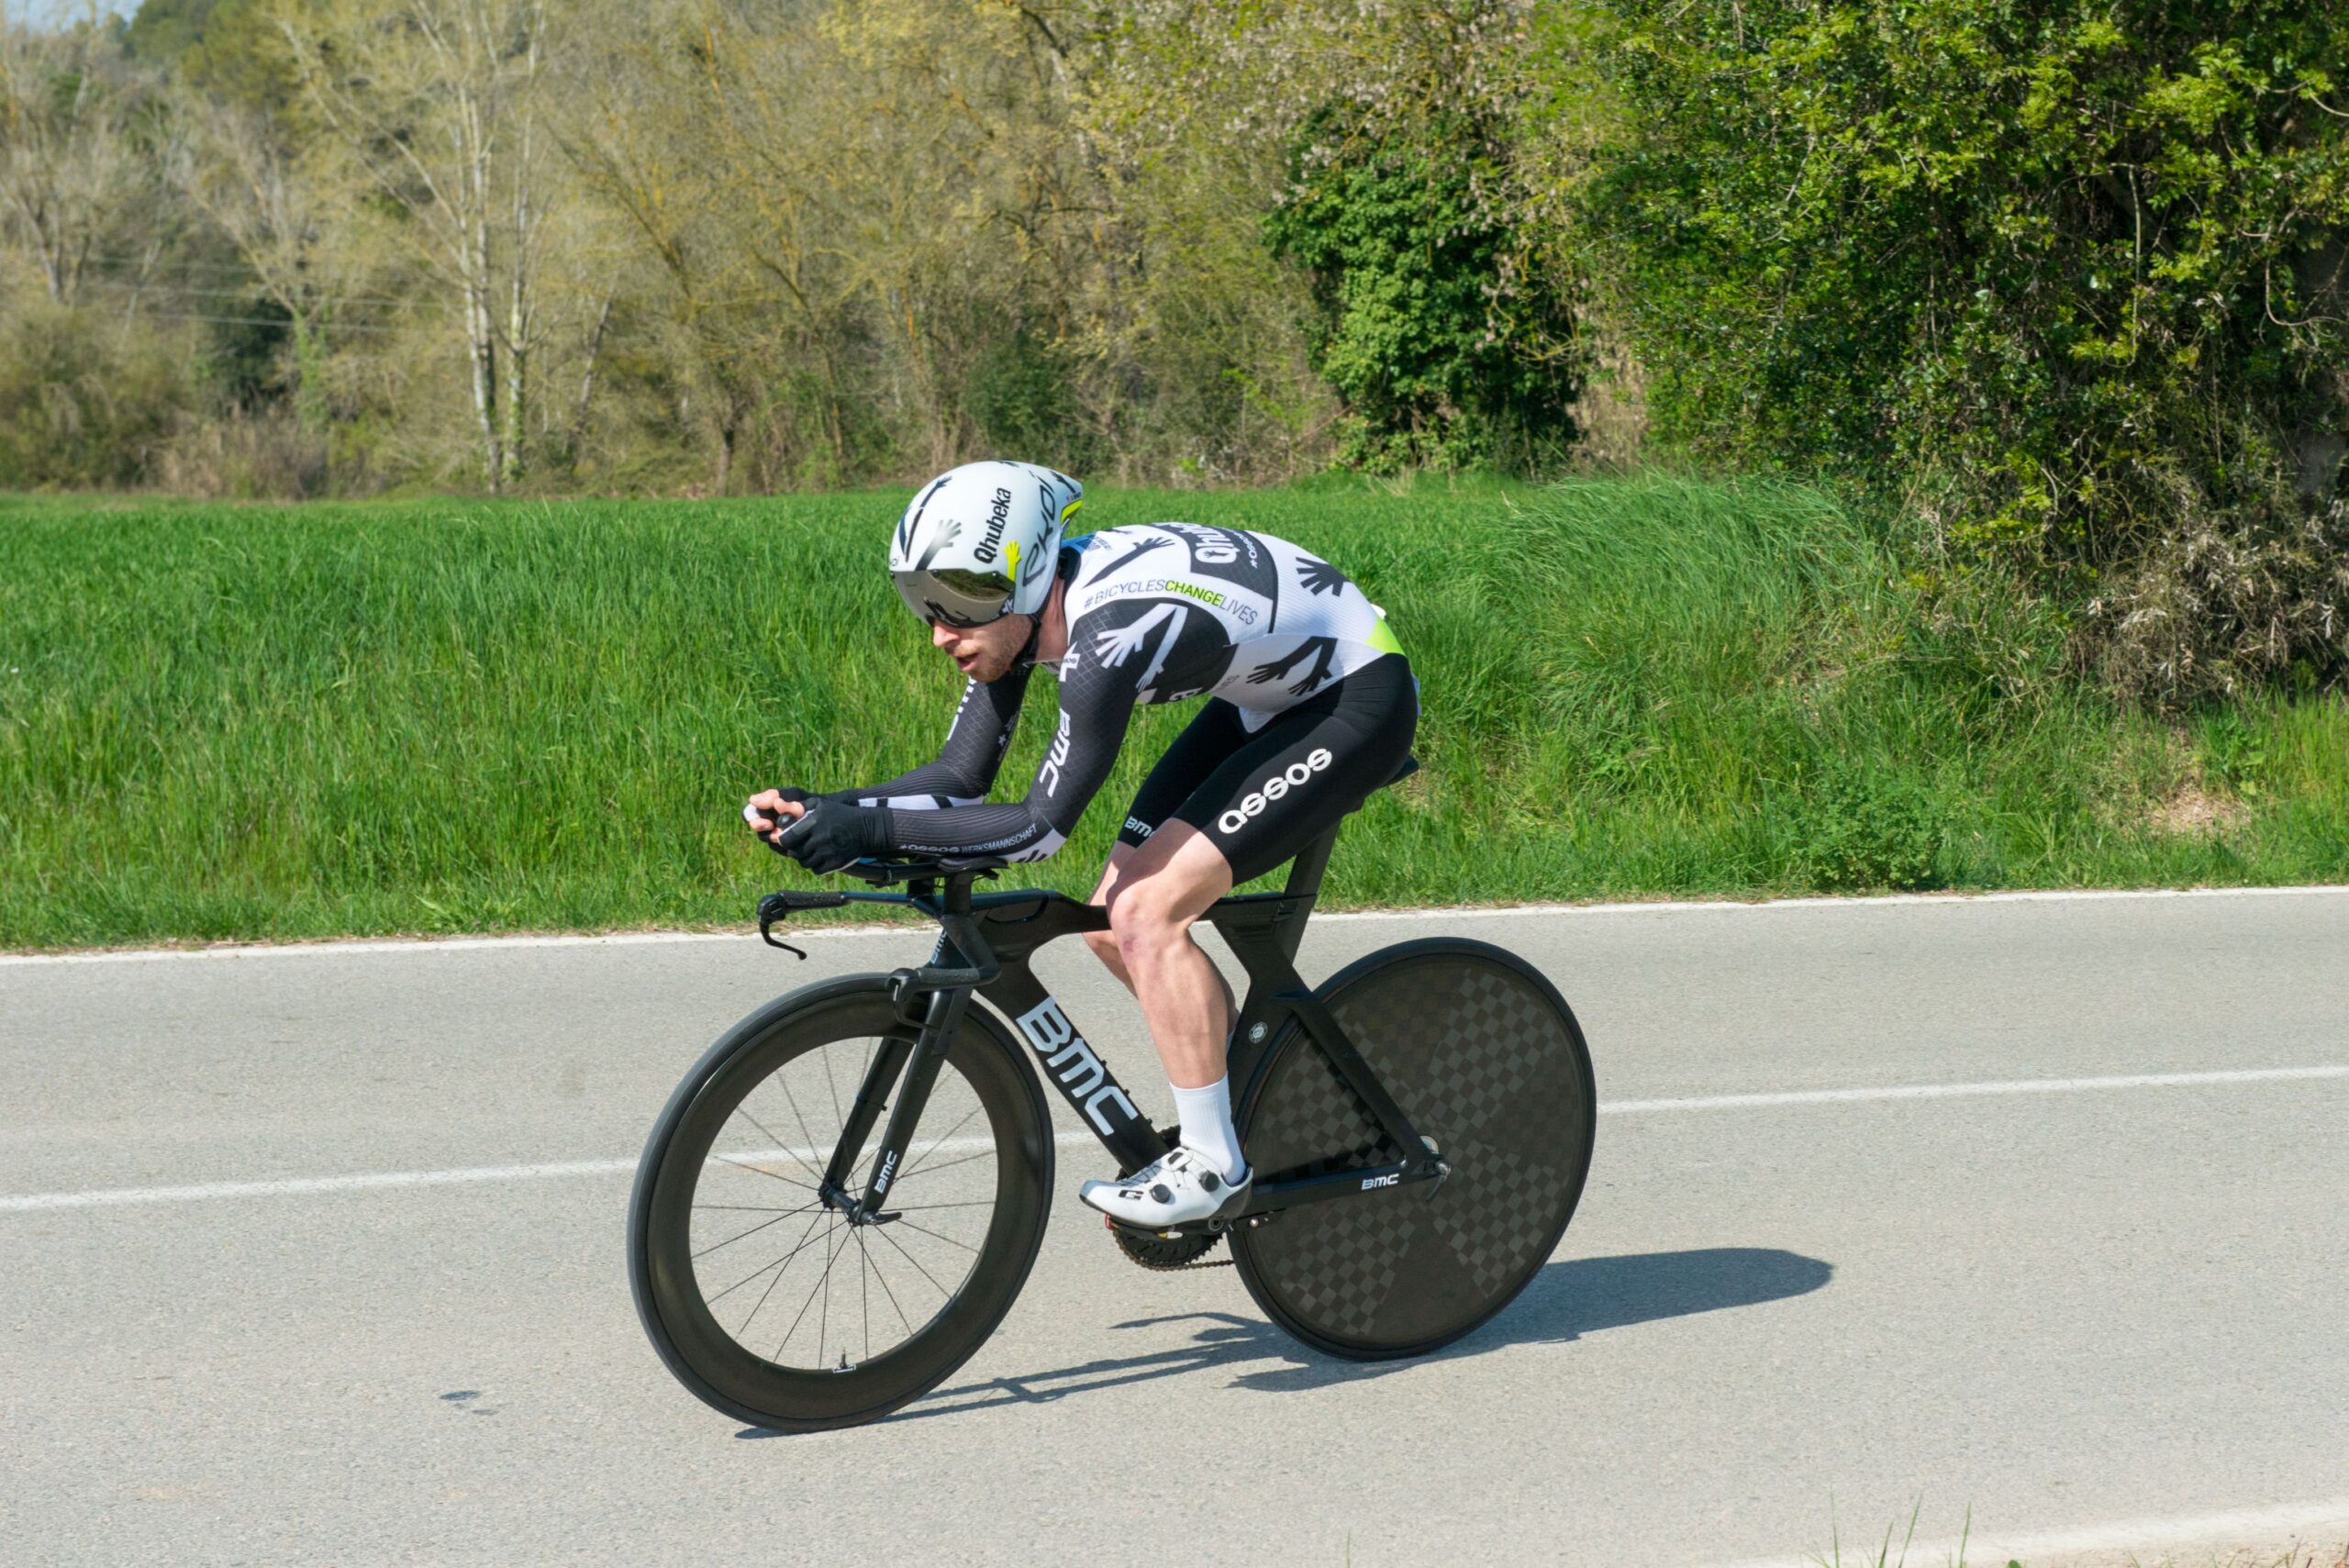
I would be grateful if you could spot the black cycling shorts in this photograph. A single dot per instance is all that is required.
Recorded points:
(1261, 797)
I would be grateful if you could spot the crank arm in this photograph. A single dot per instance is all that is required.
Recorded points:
(1270, 1198)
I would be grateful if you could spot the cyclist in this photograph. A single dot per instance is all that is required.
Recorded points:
(1311, 706)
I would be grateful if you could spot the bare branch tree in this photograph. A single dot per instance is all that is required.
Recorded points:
(72, 174)
(434, 102)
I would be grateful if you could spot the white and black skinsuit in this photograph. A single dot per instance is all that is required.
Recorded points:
(1312, 704)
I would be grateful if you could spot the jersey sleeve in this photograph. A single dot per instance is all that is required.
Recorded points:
(973, 755)
(1096, 704)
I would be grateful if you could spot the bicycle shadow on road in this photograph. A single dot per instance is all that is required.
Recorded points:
(1566, 1300)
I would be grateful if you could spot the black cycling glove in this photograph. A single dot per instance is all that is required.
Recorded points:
(831, 835)
(763, 822)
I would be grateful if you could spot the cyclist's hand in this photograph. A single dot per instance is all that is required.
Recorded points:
(830, 835)
(770, 811)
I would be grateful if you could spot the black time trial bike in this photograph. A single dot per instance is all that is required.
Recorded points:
(844, 1195)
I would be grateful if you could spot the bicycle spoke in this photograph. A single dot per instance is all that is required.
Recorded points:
(793, 1100)
(773, 1141)
(757, 1208)
(835, 1088)
(974, 1203)
(915, 1261)
(913, 1164)
(824, 1319)
(714, 1300)
(884, 1284)
(928, 1232)
(761, 1301)
(762, 1170)
(754, 1230)
(982, 1154)
(803, 1309)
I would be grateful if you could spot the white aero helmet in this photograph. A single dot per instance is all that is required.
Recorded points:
(982, 540)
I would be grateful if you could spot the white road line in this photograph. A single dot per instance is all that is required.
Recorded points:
(104, 1197)
(1501, 911)
(2234, 1528)
(298, 1186)
(1965, 1091)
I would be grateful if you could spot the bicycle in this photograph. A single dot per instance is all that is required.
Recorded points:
(1365, 1237)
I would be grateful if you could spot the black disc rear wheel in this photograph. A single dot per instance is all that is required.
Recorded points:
(1484, 1057)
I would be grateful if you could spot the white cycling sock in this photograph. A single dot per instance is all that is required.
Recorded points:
(1206, 1115)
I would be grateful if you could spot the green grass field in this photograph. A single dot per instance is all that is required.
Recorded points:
(446, 715)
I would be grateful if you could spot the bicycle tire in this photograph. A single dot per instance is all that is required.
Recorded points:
(1485, 1059)
(703, 1356)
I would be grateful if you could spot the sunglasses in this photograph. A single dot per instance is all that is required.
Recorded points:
(955, 595)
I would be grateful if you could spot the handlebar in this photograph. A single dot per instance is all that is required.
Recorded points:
(953, 911)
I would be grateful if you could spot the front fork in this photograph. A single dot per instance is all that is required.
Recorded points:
(913, 1051)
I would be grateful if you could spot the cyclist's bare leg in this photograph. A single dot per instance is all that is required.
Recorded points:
(1155, 893)
(1105, 943)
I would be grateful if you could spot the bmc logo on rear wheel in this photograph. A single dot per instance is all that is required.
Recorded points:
(1272, 789)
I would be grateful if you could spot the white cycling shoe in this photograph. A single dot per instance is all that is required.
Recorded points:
(1182, 1187)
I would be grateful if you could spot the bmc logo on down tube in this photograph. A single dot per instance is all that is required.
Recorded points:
(1272, 789)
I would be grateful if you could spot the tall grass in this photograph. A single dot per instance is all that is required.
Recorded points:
(455, 716)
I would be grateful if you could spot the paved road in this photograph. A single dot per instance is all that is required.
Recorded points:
(2078, 1312)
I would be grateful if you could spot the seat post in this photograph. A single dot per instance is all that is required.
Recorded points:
(1304, 881)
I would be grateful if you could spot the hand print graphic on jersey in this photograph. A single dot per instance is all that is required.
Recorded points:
(1320, 577)
(1114, 646)
(1321, 650)
(1158, 541)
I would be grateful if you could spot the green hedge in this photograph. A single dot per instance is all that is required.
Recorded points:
(2070, 279)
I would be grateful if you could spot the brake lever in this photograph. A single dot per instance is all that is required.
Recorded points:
(773, 908)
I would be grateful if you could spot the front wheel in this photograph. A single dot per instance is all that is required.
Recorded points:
(1484, 1059)
(761, 1295)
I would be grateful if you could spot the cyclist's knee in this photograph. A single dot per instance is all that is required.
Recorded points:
(1146, 915)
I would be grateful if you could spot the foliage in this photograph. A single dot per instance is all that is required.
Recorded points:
(2081, 267)
(87, 403)
(1862, 829)
(1442, 357)
(1409, 188)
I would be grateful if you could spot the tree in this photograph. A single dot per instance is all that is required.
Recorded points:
(1389, 153)
(245, 178)
(82, 149)
(437, 104)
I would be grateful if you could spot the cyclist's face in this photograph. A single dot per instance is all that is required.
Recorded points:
(983, 653)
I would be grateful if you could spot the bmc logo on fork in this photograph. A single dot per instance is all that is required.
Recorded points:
(1073, 1064)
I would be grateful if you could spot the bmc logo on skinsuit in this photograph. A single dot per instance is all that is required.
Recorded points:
(1272, 789)
(1049, 773)
(1071, 1064)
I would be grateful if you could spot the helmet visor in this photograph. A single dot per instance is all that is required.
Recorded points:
(956, 595)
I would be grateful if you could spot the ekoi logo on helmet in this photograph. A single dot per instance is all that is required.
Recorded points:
(1292, 777)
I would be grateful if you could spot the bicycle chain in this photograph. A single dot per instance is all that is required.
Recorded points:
(1169, 1255)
